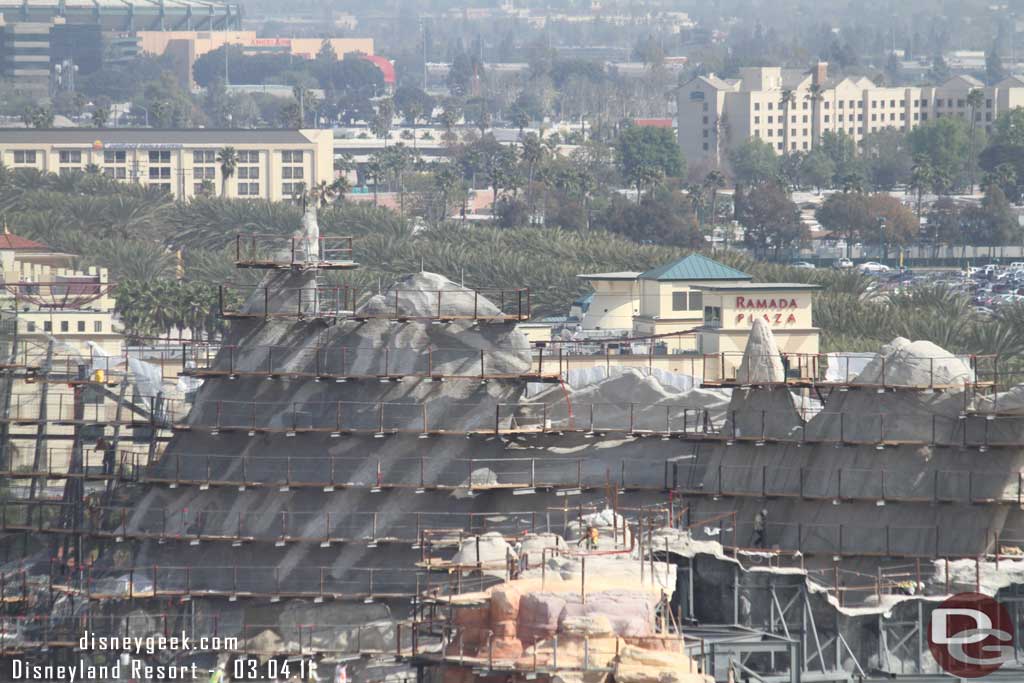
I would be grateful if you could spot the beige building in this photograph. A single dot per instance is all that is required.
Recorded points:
(614, 303)
(731, 308)
(53, 300)
(670, 300)
(716, 115)
(272, 164)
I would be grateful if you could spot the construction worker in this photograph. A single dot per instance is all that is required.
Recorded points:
(590, 538)
(760, 527)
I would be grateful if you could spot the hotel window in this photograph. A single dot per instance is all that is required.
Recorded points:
(770, 132)
(205, 172)
(114, 157)
(860, 117)
(892, 117)
(160, 157)
(295, 156)
(47, 326)
(852, 104)
(805, 106)
(249, 173)
(874, 103)
(81, 326)
(705, 120)
(781, 132)
(874, 117)
(988, 104)
(851, 130)
(805, 144)
(805, 118)
(757, 107)
(204, 156)
(293, 172)
(116, 172)
(31, 327)
(826, 105)
(826, 118)
(70, 157)
(159, 172)
(757, 119)
(903, 117)
(840, 104)
(24, 157)
(771, 119)
(771, 106)
(705, 146)
(924, 116)
(779, 145)
(292, 189)
(805, 131)
(892, 103)
(713, 316)
(64, 327)
(248, 157)
(248, 189)
(840, 118)
(915, 116)
(97, 326)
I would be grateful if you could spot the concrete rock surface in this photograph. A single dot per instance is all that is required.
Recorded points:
(637, 665)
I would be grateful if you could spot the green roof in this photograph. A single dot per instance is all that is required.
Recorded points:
(695, 267)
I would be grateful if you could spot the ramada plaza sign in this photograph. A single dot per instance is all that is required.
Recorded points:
(775, 310)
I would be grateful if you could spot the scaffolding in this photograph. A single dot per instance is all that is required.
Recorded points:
(277, 252)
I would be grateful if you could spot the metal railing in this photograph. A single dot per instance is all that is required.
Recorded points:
(273, 251)
(396, 304)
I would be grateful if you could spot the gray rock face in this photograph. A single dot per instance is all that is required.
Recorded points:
(761, 360)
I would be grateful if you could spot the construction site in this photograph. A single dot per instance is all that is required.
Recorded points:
(400, 485)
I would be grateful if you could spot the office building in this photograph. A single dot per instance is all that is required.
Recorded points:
(271, 164)
(716, 115)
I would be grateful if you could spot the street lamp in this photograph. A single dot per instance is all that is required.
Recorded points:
(139, 106)
(881, 238)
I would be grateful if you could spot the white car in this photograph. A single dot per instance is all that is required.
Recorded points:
(806, 265)
(843, 263)
(873, 267)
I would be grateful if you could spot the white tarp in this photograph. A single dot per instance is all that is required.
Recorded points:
(845, 366)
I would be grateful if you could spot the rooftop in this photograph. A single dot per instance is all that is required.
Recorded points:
(758, 286)
(9, 242)
(621, 275)
(694, 267)
(191, 136)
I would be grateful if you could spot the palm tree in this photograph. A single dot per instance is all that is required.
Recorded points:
(922, 177)
(975, 99)
(227, 157)
(340, 187)
(713, 182)
(815, 94)
(787, 99)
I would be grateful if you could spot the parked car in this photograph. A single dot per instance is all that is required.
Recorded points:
(843, 263)
(803, 264)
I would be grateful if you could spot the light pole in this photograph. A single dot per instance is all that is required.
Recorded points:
(881, 238)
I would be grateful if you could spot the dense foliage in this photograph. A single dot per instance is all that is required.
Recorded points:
(138, 235)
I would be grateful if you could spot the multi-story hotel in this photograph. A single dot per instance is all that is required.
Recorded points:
(716, 115)
(271, 164)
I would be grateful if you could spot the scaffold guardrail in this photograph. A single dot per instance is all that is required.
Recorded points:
(385, 362)
(277, 251)
(257, 301)
(687, 422)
